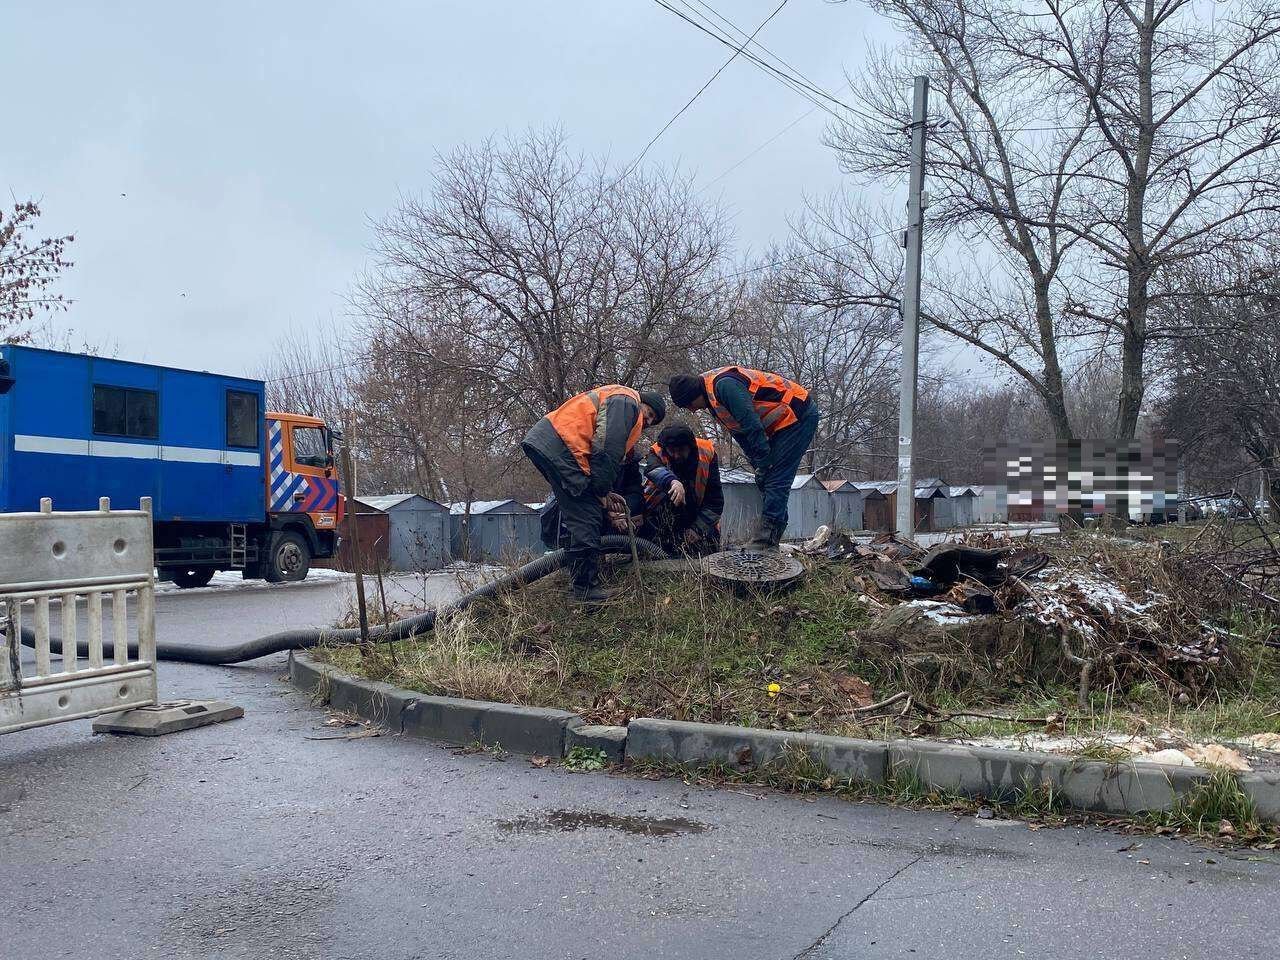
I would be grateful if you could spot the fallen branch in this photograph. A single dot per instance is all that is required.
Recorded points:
(896, 698)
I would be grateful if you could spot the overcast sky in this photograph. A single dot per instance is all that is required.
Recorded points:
(217, 163)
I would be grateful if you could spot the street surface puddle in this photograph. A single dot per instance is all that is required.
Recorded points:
(566, 820)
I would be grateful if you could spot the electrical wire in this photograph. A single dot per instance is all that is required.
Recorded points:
(814, 94)
(751, 42)
(636, 162)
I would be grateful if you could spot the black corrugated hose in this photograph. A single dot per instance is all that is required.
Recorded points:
(397, 630)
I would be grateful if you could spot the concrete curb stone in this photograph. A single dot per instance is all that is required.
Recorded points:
(1083, 784)
(612, 740)
(674, 740)
(304, 673)
(530, 730)
(1264, 789)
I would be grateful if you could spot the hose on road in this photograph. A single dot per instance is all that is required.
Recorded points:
(396, 630)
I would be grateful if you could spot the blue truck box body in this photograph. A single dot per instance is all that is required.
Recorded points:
(175, 449)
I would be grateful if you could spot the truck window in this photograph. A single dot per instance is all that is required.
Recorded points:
(309, 448)
(126, 412)
(242, 419)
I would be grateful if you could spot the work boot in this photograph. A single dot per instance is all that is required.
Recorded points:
(591, 594)
(768, 535)
(583, 575)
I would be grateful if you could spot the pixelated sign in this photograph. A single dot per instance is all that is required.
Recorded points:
(1126, 478)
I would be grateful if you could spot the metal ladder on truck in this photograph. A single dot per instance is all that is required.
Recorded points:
(239, 546)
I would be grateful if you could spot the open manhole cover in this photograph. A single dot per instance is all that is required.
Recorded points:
(753, 568)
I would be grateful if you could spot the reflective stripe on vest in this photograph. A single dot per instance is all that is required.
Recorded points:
(653, 494)
(775, 414)
(581, 422)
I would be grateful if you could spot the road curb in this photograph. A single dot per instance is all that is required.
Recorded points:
(1131, 789)
(1128, 788)
(527, 730)
(699, 743)
(611, 740)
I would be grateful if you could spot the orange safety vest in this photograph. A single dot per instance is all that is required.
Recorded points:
(577, 421)
(653, 494)
(774, 409)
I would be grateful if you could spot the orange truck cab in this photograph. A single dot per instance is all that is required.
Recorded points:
(303, 494)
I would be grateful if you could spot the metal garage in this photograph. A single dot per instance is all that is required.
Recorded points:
(419, 532)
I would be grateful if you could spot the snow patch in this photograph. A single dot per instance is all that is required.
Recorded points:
(940, 612)
(225, 580)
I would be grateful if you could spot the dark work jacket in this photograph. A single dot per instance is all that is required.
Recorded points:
(618, 415)
(701, 516)
(731, 391)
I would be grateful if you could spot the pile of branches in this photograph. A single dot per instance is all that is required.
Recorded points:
(1118, 612)
(1238, 557)
(1124, 613)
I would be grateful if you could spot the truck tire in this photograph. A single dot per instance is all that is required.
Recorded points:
(288, 559)
(188, 577)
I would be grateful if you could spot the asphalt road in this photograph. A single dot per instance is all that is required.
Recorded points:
(267, 837)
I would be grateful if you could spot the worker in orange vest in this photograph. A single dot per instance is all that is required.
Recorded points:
(682, 493)
(773, 420)
(579, 448)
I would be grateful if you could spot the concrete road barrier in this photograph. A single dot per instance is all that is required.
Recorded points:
(611, 740)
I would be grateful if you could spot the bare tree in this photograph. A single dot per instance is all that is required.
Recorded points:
(1086, 147)
(309, 372)
(558, 275)
(825, 313)
(1223, 378)
(27, 271)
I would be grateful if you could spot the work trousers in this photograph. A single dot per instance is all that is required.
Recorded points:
(789, 446)
(581, 519)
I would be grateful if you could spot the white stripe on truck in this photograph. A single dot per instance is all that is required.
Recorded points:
(25, 443)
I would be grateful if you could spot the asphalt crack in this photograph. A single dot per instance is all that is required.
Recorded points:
(808, 951)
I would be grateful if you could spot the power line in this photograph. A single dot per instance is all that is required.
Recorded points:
(734, 27)
(804, 116)
(710, 80)
(306, 373)
(814, 94)
(1085, 126)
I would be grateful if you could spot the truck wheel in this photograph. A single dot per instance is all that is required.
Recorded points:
(289, 560)
(188, 577)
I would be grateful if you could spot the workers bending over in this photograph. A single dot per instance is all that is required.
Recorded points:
(624, 504)
(682, 496)
(772, 419)
(579, 448)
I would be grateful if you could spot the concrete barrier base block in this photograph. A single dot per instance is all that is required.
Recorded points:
(168, 717)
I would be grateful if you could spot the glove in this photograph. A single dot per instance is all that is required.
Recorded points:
(676, 493)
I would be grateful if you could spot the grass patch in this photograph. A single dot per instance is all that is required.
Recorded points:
(585, 759)
(683, 649)
(1200, 816)
(1218, 806)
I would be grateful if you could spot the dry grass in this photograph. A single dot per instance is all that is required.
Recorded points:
(682, 649)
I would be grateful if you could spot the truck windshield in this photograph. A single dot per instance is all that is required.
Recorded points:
(309, 449)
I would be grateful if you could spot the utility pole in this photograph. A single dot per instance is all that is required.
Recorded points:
(905, 524)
